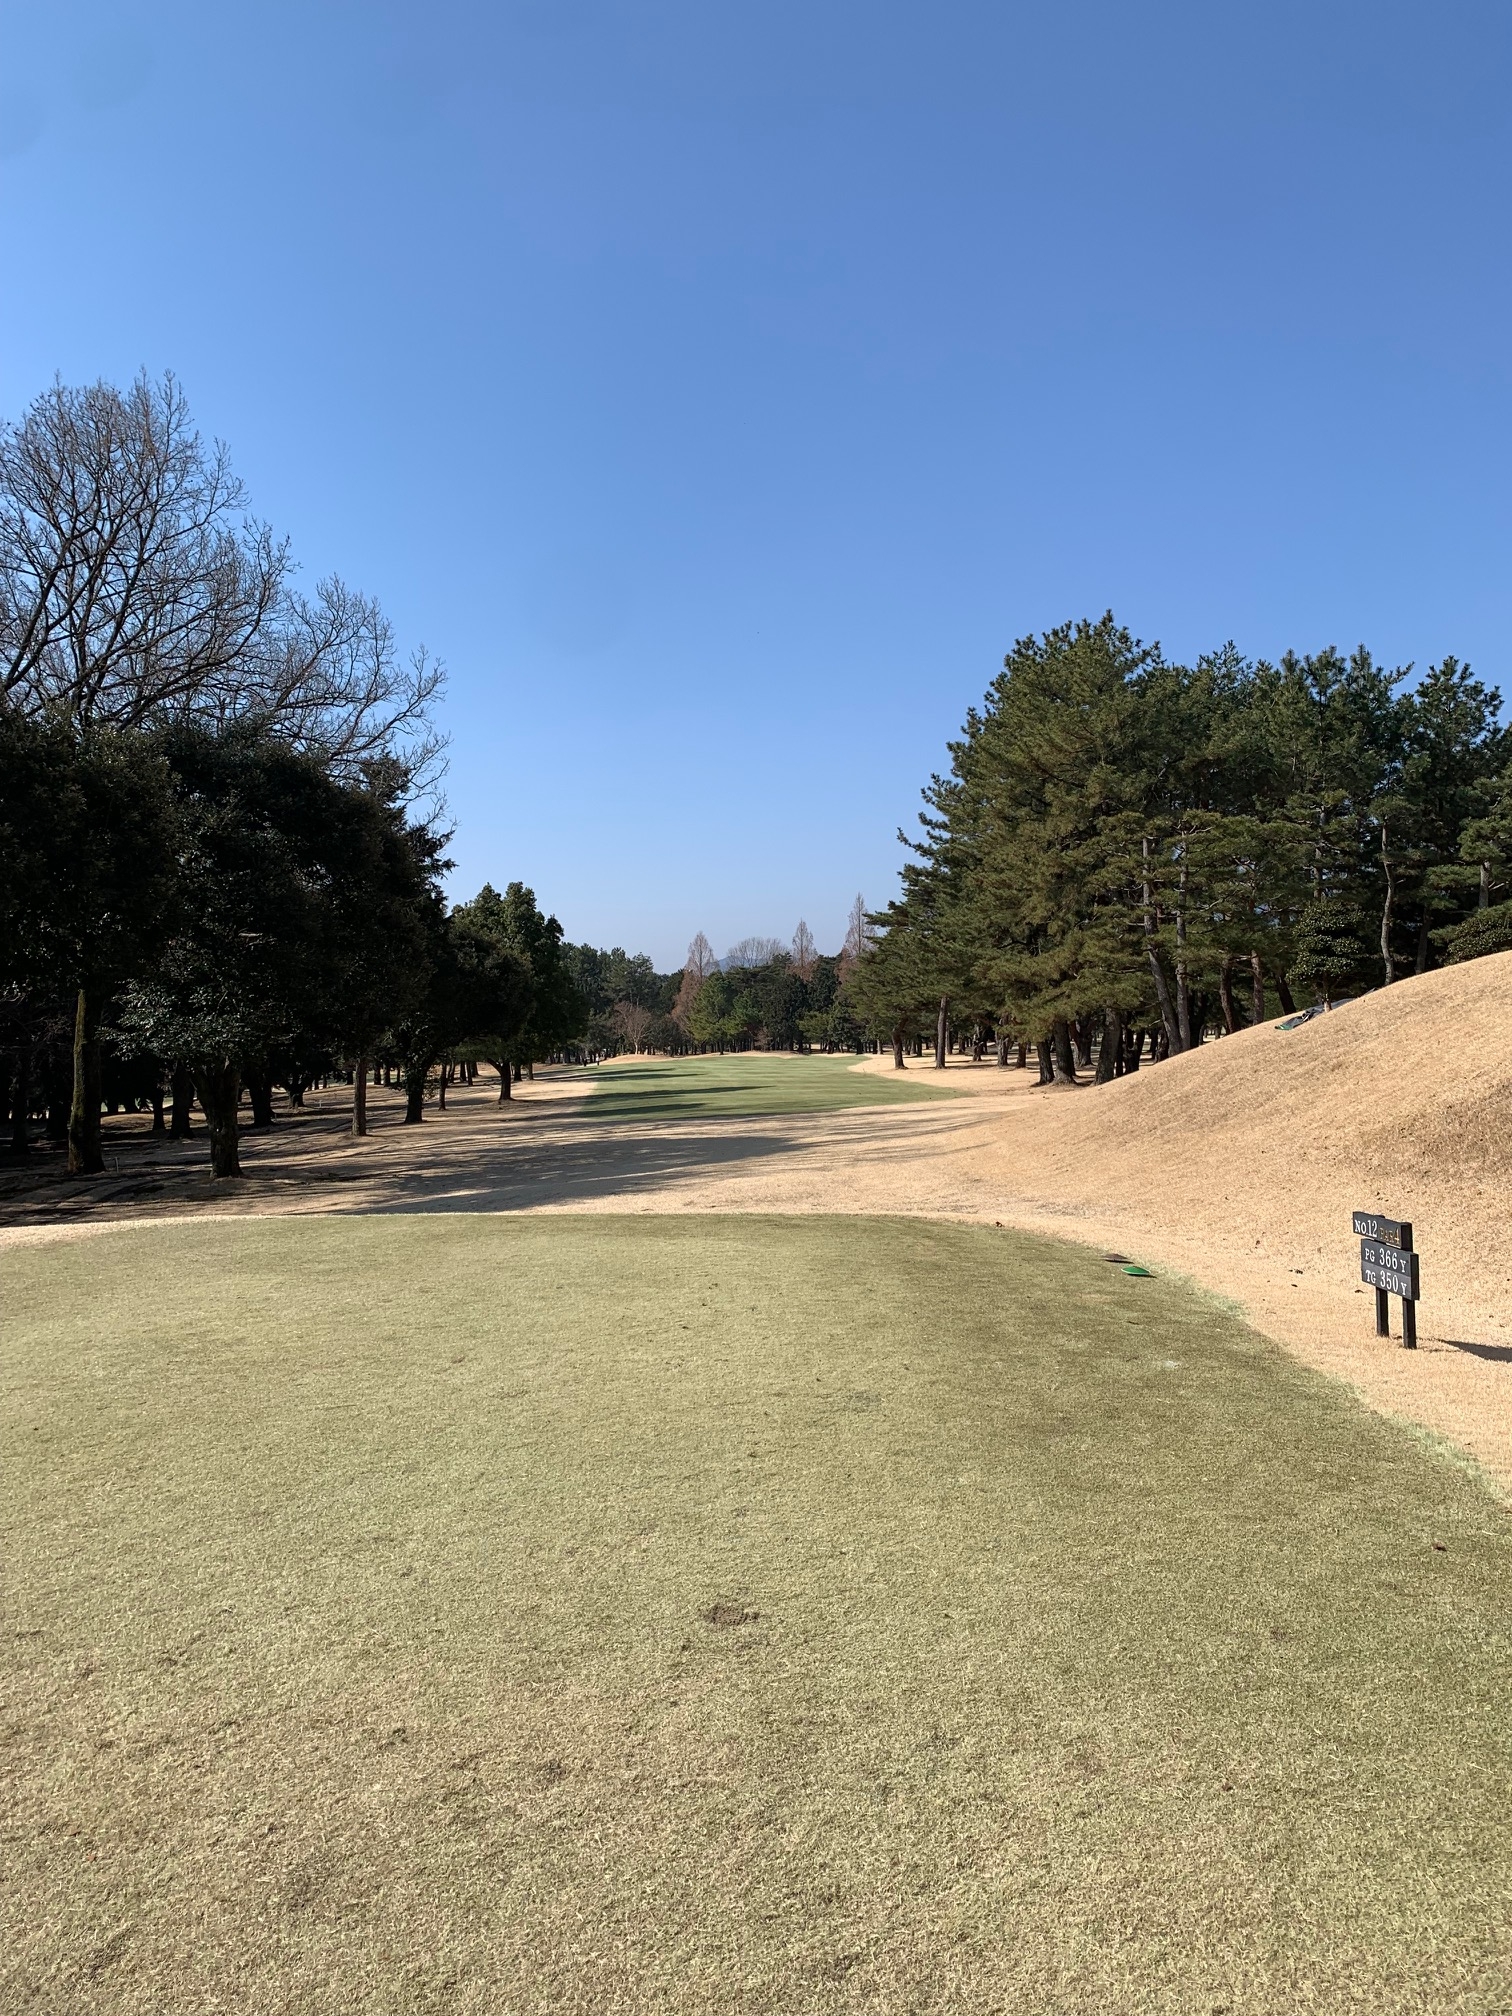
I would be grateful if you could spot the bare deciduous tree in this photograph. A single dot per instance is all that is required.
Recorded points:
(805, 951)
(632, 1021)
(130, 579)
(753, 952)
(135, 590)
(860, 935)
(333, 681)
(700, 963)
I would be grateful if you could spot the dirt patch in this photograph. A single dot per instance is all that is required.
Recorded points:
(725, 1616)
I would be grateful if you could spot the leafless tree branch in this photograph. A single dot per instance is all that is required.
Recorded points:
(135, 589)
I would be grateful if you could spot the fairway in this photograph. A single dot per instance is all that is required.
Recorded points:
(481, 1614)
(748, 1086)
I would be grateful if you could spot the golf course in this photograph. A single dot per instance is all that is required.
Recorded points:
(755, 1011)
(725, 1611)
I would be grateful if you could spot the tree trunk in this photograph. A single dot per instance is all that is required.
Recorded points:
(942, 1031)
(1420, 963)
(1064, 1062)
(1002, 1051)
(441, 1077)
(1386, 959)
(1131, 1054)
(1044, 1060)
(1183, 987)
(1485, 891)
(1081, 1037)
(897, 1049)
(260, 1092)
(1162, 985)
(181, 1117)
(219, 1089)
(1257, 991)
(359, 1097)
(159, 1121)
(86, 1156)
(1108, 1049)
(21, 1105)
(1284, 996)
(1226, 996)
(501, 1065)
(1167, 1008)
(1021, 1058)
(414, 1094)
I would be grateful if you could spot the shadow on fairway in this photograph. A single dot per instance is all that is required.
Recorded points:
(582, 1162)
(637, 1131)
(576, 1171)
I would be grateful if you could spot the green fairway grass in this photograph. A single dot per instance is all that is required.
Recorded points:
(406, 1614)
(749, 1085)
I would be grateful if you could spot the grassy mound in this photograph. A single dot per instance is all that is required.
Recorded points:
(1398, 1102)
(751, 1615)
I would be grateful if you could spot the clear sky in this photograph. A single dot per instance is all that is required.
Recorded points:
(721, 388)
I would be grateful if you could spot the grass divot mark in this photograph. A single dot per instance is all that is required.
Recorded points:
(725, 1616)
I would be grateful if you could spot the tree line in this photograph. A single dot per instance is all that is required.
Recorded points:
(768, 995)
(626, 1004)
(1126, 853)
(763, 994)
(223, 863)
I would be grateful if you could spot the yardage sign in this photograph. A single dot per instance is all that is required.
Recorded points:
(1389, 1265)
(1389, 1268)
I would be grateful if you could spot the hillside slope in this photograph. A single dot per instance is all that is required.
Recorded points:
(1404, 1097)
(1240, 1164)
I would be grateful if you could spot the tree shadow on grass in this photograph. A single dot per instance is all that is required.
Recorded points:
(581, 1161)
(571, 1172)
(481, 1159)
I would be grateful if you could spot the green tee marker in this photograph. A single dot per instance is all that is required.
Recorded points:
(1143, 1272)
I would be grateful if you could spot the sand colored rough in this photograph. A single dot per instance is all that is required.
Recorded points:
(1237, 1165)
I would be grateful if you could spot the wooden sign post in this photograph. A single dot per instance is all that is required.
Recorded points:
(1390, 1266)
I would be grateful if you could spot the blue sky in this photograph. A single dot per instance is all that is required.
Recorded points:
(719, 389)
